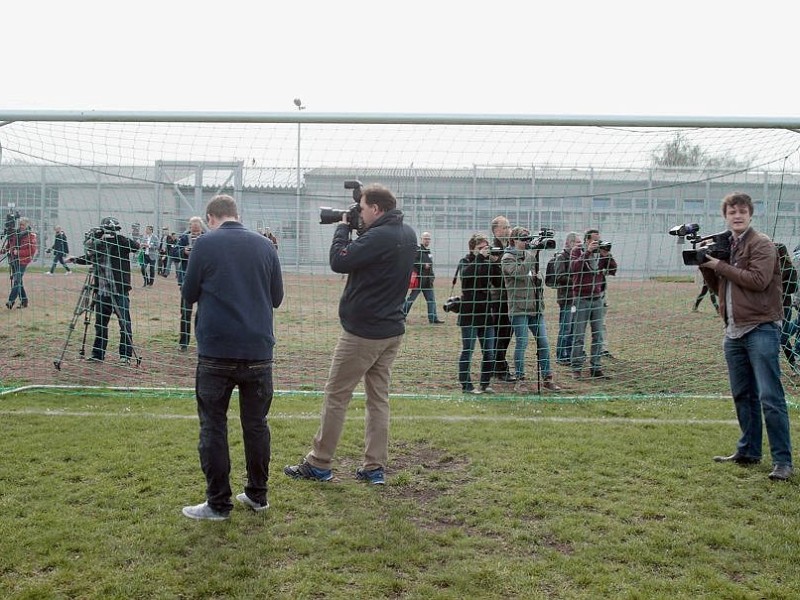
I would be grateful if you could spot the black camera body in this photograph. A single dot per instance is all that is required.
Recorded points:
(716, 245)
(544, 240)
(452, 304)
(329, 216)
(601, 245)
(95, 240)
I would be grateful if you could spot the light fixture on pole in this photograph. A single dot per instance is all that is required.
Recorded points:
(299, 104)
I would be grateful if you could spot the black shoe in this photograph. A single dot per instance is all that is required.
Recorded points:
(9, 305)
(23, 304)
(598, 374)
(437, 322)
(781, 472)
(739, 459)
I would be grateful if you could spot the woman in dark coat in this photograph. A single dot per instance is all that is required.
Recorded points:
(475, 319)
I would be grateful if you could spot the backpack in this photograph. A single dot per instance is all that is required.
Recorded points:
(551, 272)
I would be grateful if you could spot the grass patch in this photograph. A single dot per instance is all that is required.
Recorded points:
(505, 499)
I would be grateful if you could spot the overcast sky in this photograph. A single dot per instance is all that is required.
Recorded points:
(703, 57)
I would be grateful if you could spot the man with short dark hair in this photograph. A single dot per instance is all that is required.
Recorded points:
(235, 278)
(749, 289)
(378, 265)
(564, 298)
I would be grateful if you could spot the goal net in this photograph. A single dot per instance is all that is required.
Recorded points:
(631, 182)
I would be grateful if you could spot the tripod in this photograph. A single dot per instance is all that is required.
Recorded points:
(87, 301)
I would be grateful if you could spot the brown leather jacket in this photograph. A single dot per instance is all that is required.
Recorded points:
(756, 281)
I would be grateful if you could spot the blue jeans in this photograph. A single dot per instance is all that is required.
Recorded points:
(215, 380)
(58, 257)
(755, 378)
(535, 324)
(17, 287)
(589, 311)
(429, 298)
(120, 305)
(486, 337)
(564, 340)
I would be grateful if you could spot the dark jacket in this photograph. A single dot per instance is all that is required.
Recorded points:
(234, 276)
(60, 245)
(478, 273)
(588, 270)
(563, 277)
(378, 265)
(756, 286)
(426, 276)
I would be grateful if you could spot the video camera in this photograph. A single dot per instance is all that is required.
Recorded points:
(544, 240)
(96, 238)
(716, 245)
(10, 225)
(328, 215)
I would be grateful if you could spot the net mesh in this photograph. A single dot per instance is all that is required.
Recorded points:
(631, 183)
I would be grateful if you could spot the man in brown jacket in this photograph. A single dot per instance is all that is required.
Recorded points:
(749, 290)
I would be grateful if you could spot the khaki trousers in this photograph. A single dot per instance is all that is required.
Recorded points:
(353, 358)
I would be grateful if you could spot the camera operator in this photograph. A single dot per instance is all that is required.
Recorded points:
(589, 265)
(749, 290)
(109, 252)
(499, 306)
(525, 293)
(20, 247)
(378, 265)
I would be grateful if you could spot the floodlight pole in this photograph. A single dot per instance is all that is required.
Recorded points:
(299, 104)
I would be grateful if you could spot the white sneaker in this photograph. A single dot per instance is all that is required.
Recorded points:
(68, 273)
(203, 512)
(245, 499)
(48, 273)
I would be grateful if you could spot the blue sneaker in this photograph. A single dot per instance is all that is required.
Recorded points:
(373, 477)
(306, 471)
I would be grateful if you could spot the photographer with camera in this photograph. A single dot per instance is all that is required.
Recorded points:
(109, 252)
(525, 292)
(749, 289)
(378, 265)
(475, 318)
(501, 228)
(20, 247)
(60, 249)
(589, 265)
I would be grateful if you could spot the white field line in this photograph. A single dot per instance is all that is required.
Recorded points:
(409, 418)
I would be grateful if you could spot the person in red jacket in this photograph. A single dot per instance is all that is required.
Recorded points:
(21, 247)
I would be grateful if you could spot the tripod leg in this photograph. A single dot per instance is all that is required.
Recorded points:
(81, 308)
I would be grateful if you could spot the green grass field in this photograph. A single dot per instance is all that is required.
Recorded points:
(509, 498)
